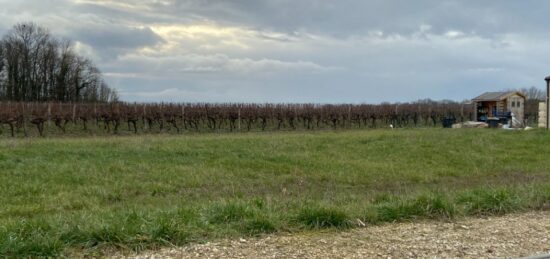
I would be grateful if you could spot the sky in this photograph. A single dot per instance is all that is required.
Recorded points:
(316, 51)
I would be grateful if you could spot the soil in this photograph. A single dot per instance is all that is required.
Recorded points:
(510, 236)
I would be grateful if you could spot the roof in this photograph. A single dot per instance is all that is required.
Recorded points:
(496, 96)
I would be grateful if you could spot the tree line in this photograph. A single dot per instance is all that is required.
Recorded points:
(36, 66)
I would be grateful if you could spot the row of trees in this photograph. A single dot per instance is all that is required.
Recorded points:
(35, 66)
(94, 117)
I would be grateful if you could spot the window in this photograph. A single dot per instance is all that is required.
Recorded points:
(513, 104)
(519, 104)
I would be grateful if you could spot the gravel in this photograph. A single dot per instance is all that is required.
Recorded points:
(509, 236)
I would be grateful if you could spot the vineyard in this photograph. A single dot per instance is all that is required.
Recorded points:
(36, 118)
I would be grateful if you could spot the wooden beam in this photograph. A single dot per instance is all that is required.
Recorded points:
(547, 103)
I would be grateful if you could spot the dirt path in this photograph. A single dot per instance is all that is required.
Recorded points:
(501, 237)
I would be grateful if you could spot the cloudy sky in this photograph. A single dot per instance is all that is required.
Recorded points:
(321, 51)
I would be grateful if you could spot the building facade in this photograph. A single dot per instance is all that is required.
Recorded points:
(500, 105)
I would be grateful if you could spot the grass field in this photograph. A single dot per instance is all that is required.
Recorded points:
(89, 195)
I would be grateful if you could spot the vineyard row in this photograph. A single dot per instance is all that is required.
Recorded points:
(26, 117)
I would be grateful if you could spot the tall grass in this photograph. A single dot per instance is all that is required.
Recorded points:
(63, 196)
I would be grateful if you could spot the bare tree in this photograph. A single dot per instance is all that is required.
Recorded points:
(534, 93)
(34, 66)
(2, 70)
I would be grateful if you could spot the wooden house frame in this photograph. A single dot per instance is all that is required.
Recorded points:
(496, 105)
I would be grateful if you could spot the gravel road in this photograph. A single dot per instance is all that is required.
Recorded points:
(495, 237)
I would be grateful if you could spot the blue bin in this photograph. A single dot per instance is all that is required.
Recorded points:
(493, 124)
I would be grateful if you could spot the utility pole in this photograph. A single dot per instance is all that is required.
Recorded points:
(547, 102)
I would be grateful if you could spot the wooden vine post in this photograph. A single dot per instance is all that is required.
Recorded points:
(239, 118)
(145, 117)
(24, 119)
(49, 114)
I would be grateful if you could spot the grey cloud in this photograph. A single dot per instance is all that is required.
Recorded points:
(303, 51)
(347, 17)
(112, 36)
(182, 66)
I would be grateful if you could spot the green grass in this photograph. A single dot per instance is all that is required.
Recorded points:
(90, 195)
(322, 217)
